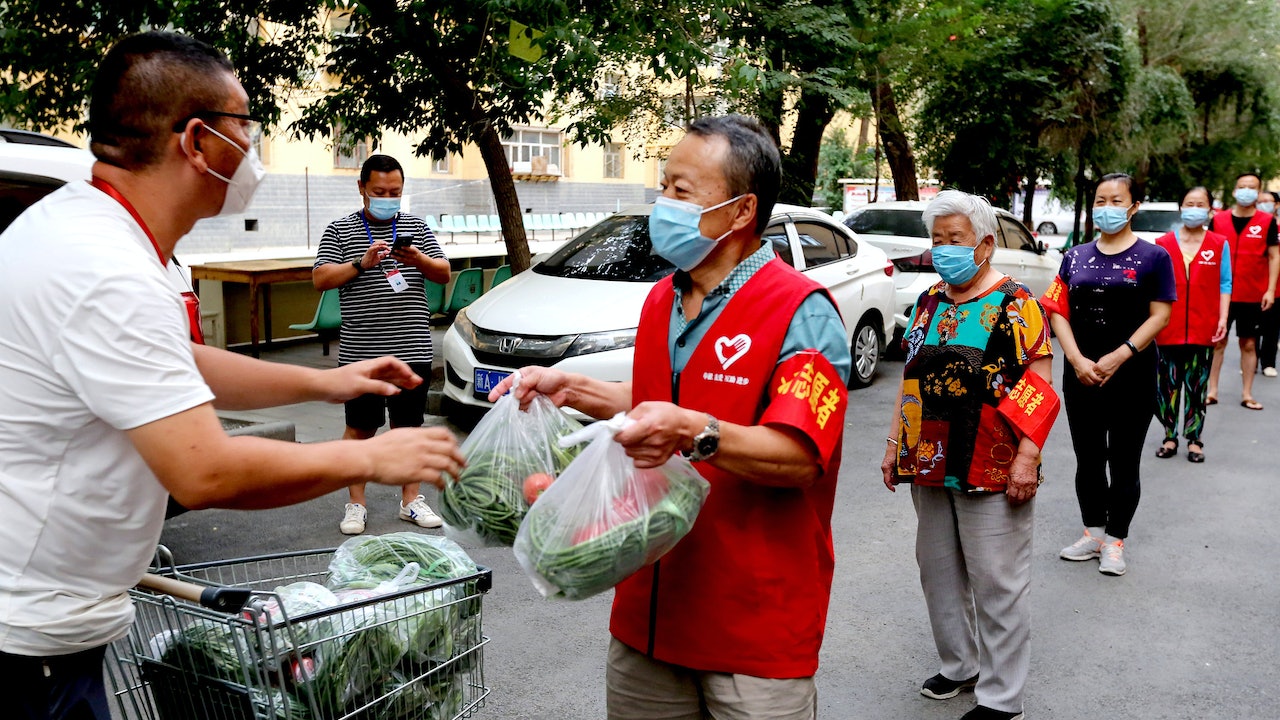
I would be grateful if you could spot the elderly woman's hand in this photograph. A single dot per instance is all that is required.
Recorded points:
(887, 466)
(1024, 478)
(1087, 371)
(1108, 364)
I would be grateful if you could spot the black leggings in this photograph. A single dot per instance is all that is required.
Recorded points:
(1108, 427)
(1269, 338)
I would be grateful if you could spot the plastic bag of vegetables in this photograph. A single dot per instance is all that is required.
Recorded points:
(509, 450)
(377, 564)
(604, 518)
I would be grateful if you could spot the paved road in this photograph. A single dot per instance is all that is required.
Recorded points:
(1192, 631)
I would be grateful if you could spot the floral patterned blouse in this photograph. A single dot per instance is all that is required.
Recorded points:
(961, 360)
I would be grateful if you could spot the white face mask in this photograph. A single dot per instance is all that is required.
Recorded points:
(244, 183)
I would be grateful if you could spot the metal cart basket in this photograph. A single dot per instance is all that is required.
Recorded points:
(412, 654)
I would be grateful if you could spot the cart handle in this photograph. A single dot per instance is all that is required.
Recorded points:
(224, 599)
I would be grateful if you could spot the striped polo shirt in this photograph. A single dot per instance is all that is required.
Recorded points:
(376, 320)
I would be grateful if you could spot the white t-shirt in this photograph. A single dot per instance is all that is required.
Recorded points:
(93, 342)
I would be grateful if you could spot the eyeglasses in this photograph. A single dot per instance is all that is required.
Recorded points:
(253, 123)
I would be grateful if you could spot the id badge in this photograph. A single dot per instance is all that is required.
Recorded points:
(397, 281)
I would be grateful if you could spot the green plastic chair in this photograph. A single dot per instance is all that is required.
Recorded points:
(327, 320)
(502, 274)
(467, 288)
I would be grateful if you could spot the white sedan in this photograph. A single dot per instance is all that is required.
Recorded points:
(898, 229)
(578, 309)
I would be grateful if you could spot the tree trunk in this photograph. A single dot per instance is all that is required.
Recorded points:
(897, 148)
(506, 199)
(800, 164)
(1028, 200)
(864, 133)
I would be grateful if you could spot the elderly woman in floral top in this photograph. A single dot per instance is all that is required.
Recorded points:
(975, 407)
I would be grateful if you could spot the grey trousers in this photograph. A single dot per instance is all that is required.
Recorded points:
(974, 553)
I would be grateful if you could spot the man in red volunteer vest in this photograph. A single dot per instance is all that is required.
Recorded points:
(1255, 265)
(741, 363)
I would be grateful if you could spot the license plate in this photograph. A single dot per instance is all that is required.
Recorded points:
(486, 380)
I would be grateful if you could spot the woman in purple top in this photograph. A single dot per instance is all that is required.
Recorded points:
(1110, 299)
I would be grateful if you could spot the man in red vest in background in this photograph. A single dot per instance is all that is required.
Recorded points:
(741, 363)
(1255, 265)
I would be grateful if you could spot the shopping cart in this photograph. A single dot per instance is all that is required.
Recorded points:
(210, 643)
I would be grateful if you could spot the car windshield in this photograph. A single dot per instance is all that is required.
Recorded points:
(874, 221)
(617, 248)
(1155, 220)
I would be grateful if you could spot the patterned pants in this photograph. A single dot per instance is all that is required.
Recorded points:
(1183, 366)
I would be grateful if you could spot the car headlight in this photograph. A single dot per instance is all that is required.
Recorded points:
(588, 343)
(462, 324)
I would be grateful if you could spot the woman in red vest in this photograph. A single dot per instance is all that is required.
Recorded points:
(1202, 275)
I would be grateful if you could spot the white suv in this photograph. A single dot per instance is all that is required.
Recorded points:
(34, 165)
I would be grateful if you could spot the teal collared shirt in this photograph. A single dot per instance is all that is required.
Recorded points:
(816, 323)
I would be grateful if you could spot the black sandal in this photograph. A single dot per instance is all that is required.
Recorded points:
(1195, 456)
(1167, 452)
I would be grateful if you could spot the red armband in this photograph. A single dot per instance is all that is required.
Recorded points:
(1030, 408)
(806, 393)
(1055, 299)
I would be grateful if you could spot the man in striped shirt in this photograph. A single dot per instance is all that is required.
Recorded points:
(379, 259)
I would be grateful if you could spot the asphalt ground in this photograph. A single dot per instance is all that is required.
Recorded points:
(1192, 631)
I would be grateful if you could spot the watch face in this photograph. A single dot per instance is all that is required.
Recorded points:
(707, 445)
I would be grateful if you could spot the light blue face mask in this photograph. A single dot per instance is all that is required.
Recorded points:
(1266, 207)
(383, 208)
(1111, 220)
(1245, 196)
(955, 263)
(1194, 217)
(673, 229)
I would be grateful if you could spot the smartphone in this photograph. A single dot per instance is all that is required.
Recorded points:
(402, 241)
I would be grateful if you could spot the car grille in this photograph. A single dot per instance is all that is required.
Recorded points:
(513, 361)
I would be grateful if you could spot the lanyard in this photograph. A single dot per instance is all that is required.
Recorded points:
(114, 194)
(394, 221)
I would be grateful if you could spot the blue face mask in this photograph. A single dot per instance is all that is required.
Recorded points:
(1245, 196)
(673, 229)
(1111, 220)
(383, 208)
(1266, 207)
(955, 263)
(1194, 217)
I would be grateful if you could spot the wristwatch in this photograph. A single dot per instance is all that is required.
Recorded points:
(707, 442)
(359, 268)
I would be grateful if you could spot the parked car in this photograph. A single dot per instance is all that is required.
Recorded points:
(1154, 219)
(898, 229)
(578, 309)
(32, 166)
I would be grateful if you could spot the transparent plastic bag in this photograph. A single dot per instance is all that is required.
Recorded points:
(378, 564)
(484, 505)
(603, 519)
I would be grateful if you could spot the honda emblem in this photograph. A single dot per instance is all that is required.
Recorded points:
(507, 345)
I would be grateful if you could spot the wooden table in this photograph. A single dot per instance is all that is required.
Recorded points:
(257, 274)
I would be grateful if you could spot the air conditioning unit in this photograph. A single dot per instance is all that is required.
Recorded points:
(521, 168)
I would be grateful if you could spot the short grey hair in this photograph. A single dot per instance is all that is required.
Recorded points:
(954, 202)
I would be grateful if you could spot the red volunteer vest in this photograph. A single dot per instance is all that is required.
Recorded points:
(746, 591)
(1249, 272)
(1195, 312)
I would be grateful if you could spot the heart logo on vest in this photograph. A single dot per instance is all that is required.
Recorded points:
(1255, 231)
(1206, 255)
(729, 349)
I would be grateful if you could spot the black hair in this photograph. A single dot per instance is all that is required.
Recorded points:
(1121, 178)
(1251, 174)
(752, 163)
(379, 163)
(146, 83)
(1202, 189)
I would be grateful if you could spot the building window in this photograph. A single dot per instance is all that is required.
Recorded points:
(611, 85)
(613, 160)
(536, 152)
(441, 166)
(349, 152)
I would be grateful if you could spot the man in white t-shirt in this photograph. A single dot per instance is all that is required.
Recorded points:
(106, 407)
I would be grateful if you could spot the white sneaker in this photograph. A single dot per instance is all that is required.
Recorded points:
(1087, 547)
(417, 511)
(1269, 372)
(1112, 559)
(353, 521)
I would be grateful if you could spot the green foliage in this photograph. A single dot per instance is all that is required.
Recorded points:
(840, 159)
